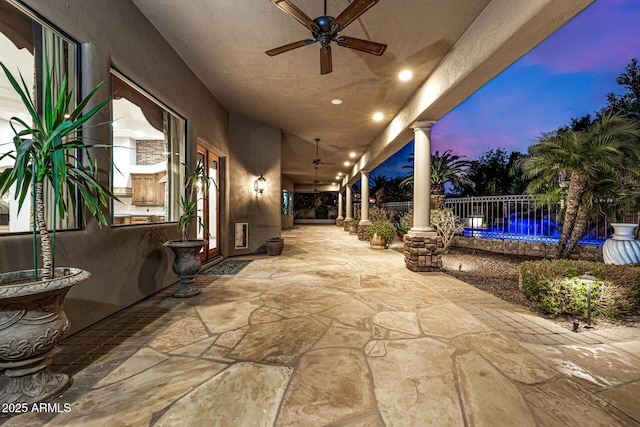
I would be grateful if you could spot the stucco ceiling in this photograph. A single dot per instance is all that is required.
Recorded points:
(224, 43)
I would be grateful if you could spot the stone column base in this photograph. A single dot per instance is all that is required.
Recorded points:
(423, 253)
(340, 222)
(362, 231)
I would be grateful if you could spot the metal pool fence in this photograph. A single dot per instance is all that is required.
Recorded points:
(515, 217)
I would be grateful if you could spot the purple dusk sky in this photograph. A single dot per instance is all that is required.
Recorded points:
(568, 75)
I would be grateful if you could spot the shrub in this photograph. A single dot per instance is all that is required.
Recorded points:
(380, 214)
(556, 286)
(405, 223)
(447, 225)
(354, 222)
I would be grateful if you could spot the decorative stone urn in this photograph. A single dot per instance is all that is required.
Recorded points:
(186, 264)
(622, 247)
(274, 246)
(32, 323)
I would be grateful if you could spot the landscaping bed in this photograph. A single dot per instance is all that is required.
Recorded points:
(498, 274)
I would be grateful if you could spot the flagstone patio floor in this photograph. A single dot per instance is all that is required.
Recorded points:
(333, 333)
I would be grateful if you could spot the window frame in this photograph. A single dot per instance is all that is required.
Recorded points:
(73, 51)
(171, 206)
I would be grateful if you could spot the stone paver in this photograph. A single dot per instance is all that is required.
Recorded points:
(225, 399)
(334, 333)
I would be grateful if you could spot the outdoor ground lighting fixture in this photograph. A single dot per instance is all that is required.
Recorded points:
(260, 184)
(588, 278)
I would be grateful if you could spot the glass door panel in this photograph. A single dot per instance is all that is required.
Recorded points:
(212, 225)
(208, 204)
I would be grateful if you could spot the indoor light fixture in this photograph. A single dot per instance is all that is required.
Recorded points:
(347, 163)
(336, 101)
(260, 184)
(352, 155)
(405, 75)
(378, 116)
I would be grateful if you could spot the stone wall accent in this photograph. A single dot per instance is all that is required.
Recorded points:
(423, 253)
(534, 249)
(362, 231)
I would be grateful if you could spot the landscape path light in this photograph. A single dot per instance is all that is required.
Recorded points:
(588, 278)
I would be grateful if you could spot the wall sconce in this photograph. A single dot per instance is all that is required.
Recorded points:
(260, 184)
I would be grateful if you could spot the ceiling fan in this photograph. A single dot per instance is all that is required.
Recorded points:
(317, 160)
(325, 29)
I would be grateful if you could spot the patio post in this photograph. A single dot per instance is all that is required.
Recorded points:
(340, 218)
(349, 212)
(422, 245)
(364, 206)
(422, 180)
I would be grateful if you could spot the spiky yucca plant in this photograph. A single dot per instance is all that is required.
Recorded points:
(197, 184)
(48, 150)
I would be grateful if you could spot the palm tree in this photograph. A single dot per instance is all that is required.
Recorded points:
(377, 184)
(607, 149)
(445, 168)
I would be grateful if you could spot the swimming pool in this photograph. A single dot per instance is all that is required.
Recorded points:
(529, 230)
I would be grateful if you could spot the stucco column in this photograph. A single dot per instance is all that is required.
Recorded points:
(349, 212)
(364, 198)
(340, 217)
(422, 180)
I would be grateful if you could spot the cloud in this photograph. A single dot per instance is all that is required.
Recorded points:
(604, 37)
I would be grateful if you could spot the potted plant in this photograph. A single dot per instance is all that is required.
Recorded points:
(274, 245)
(44, 152)
(381, 234)
(187, 262)
(353, 226)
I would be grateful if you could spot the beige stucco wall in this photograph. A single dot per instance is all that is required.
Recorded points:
(254, 148)
(129, 263)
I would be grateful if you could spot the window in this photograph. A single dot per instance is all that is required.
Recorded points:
(148, 156)
(29, 46)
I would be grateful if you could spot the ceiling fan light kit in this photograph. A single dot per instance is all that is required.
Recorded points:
(324, 29)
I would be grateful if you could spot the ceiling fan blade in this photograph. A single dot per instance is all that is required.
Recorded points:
(362, 45)
(297, 14)
(326, 65)
(350, 14)
(288, 47)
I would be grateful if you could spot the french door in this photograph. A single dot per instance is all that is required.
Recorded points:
(208, 204)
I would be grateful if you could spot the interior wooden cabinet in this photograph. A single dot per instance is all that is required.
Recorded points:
(147, 189)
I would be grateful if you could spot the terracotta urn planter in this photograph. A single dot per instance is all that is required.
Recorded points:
(32, 323)
(622, 247)
(377, 242)
(274, 246)
(186, 264)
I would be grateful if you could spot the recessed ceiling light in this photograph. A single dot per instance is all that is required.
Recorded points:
(347, 163)
(378, 116)
(337, 177)
(339, 173)
(405, 75)
(333, 183)
(336, 101)
(352, 155)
